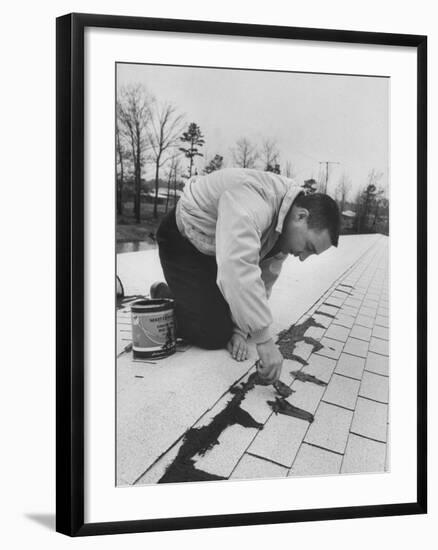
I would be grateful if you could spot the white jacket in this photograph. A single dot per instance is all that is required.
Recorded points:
(237, 214)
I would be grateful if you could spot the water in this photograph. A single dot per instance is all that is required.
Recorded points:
(134, 246)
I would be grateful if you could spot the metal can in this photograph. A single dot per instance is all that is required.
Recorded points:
(153, 328)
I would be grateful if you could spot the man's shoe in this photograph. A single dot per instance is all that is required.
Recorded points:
(160, 290)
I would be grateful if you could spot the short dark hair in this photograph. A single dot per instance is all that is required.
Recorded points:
(323, 213)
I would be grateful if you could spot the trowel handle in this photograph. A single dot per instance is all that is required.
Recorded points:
(261, 377)
(258, 365)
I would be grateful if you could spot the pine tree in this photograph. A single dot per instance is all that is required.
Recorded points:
(215, 164)
(309, 186)
(194, 139)
(275, 168)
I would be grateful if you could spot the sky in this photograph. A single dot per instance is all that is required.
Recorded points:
(313, 117)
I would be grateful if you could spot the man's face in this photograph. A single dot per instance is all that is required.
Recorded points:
(300, 240)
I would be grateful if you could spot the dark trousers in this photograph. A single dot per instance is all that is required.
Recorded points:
(202, 314)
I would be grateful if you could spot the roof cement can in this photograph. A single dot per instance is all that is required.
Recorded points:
(153, 328)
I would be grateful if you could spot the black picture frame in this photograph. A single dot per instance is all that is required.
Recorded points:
(70, 272)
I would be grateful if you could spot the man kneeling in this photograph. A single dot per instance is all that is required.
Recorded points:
(222, 247)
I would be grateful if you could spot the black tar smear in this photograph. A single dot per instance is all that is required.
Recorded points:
(344, 291)
(282, 406)
(288, 339)
(197, 441)
(304, 377)
(330, 305)
(283, 389)
(326, 314)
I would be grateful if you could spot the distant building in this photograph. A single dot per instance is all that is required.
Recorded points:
(347, 220)
(162, 195)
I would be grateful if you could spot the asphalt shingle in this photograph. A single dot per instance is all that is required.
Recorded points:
(350, 365)
(378, 364)
(374, 387)
(363, 455)
(312, 461)
(253, 467)
(353, 346)
(370, 419)
(342, 391)
(280, 439)
(330, 428)
(332, 348)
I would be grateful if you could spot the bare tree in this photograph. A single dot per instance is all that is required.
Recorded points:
(172, 174)
(163, 134)
(245, 153)
(177, 173)
(374, 177)
(366, 201)
(270, 154)
(133, 113)
(381, 210)
(320, 179)
(120, 172)
(342, 190)
(289, 170)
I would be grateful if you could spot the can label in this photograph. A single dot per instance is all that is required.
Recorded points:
(153, 333)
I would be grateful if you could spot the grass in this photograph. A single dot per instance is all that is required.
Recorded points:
(127, 230)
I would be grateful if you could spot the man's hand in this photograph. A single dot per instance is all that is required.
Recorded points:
(271, 361)
(238, 347)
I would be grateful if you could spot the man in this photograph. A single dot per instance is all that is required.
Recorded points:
(222, 248)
